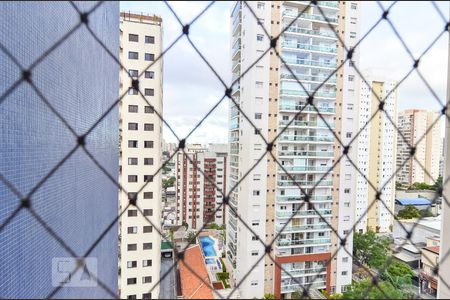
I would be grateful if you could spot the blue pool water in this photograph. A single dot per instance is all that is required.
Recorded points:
(207, 245)
(210, 261)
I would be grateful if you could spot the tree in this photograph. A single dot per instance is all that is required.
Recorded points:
(368, 249)
(438, 184)
(409, 212)
(269, 296)
(192, 237)
(421, 186)
(400, 276)
(359, 289)
(168, 182)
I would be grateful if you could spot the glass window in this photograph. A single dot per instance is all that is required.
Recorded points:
(131, 264)
(149, 74)
(132, 213)
(148, 195)
(132, 108)
(132, 178)
(132, 144)
(133, 73)
(131, 281)
(132, 161)
(133, 38)
(149, 56)
(148, 127)
(147, 246)
(132, 247)
(149, 92)
(148, 229)
(148, 144)
(149, 109)
(259, 37)
(149, 39)
(133, 55)
(148, 212)
(132, 126)
(148, 161)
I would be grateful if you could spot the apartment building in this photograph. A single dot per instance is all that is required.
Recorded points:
(140, 155)
(376, 154)
(77, 201)
(413, 125)
(267, 200)
(197, 197)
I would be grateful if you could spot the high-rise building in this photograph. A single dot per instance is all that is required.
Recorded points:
(267, 200)
(140, 155)
(414, 126)
(376, 154)
(197, 197)
(78, 202)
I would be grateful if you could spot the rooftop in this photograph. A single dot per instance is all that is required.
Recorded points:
(192, 287)
(140, 16)
(434, 249)
(412, 201)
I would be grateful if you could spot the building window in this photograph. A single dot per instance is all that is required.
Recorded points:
(347, 191)
(133, 55)
(351, 77)
(132, 247)
(147, 246)
(132, 161)
(255, 193)
(149, 74)
(148, 178)
(131, 264)
(259, 37)
(149, 39)
(132, 195)
(258, 116)
(132, 178)
(260, 5)
(132, 91)
(148, 144)
(254, 252)
(133, 38)
(132, 213)
(148, 212)
(352, 34)
(344, 273)
(132, 126)
(147, 263)
(131, 281)
(148, 229)
(147, 296)
(254, 283)
(350, 106)
(132, 144)
(146, 279)
(148, 161)
(259, 84)
(353, 5)
(149, 92)
(148, 195)
(345, 259)
(149, 56)
(132, 108)
(148, 127)
(133, 73)
(346, 204)
(131, 297)
(132, 229)
(149, 109)
(255, 223)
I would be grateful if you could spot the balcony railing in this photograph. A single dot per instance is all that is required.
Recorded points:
(294, 29)
(309, 47)
(296, 287)
(320, 79)
(307, 108)
(284, 198)
(305, 123)
(288, 243)
(304, 183)
(308, 62)
(305, 168)
(312, 17)
(299, 272)
(305, 138)
(288, 92)
(302, 227)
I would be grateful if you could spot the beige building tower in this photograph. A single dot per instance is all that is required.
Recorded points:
(376, 154)
(268, 200)
(413, 124)
(140, 156)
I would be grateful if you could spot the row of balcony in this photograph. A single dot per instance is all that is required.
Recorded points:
(296, 228)
(328, 4)
(288, 242)
(305, 123)
(308, 62)
(312, 17)
(314, 78)
(310, 47)
(295, 29)
(308, 212)
(304, 183)
(314, 198)
(308, 108)
(305, 169)
(323, 94)
(301, 138)
(296, 287)
(298, 272)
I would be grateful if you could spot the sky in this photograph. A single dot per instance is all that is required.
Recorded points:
(191, 89)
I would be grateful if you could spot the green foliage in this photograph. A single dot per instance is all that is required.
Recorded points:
(223, 276)
(269, 296)
(409, 212)
(421, 186)
(224, 268)
(438, 184)
(368, 249)
(400, 276)
(192, 238)
(425, 213)
(358, 290)
(215, 226)
(169, 182)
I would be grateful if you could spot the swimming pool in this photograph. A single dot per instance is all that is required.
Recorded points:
(210, 261)
(207, 245)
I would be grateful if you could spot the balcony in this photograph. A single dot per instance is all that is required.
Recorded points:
(303, 213)
(317, 48)
(305, 124)
(235, 64)
(308, 62)
(234, 126)
(299, 272)
(284, 198)
(304, 169)
(328, 4)
(288, 92)
(310, 227)
(291, 183)
(296, 287)
(308, 108)
(301, 138)
(318, 79)
(289, 243)
(311, 17)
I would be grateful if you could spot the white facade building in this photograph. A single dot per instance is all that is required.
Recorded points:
(271, 97)
(376, 154)
(198, 199)
(140, 156)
